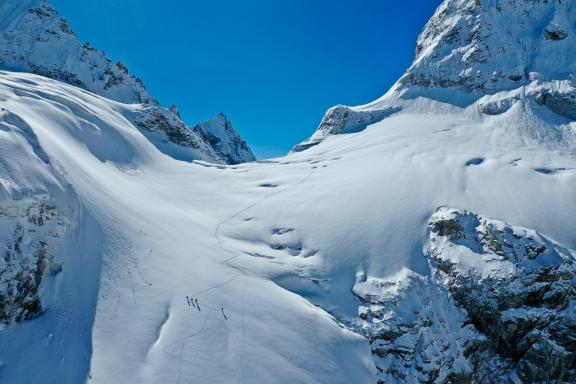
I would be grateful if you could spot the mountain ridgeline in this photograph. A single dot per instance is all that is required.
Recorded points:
(36, 39)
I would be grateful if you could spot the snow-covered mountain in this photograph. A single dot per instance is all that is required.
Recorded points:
(427, 237)
(482, 55)
(35, 38)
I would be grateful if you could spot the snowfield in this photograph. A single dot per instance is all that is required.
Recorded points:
(426, 237)
(275, 245)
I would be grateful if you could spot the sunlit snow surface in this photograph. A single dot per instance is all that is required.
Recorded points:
(270, 249)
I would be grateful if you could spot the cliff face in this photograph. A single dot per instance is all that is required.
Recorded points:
(489, 46)
(499, 306)
(221, 135)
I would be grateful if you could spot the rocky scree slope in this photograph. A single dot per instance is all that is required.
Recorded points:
(35, 38)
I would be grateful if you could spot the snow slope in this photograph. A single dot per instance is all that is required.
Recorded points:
(144, 236)
(293, 234)
(301, 265)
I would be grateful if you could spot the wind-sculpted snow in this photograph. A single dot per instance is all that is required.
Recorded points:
(143, 236)
(273, 265)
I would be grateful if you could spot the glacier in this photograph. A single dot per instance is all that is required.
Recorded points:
(427, 237)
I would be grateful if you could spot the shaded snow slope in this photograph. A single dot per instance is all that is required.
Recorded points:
(148, 234)
(35, 38)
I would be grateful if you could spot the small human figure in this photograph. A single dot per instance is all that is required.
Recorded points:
(224, 314)
(192, 301)
(188, 300)
(197, 305)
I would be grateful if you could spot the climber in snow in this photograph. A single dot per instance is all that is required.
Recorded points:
(197, 305)
(224, 314)
(188, 300)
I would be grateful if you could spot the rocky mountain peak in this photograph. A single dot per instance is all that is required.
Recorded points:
(490, 53)
(35, 38)
(489, 46)
(223, 137)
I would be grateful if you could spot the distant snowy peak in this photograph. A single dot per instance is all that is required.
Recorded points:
(35, 38)
(494, 45)
(221, 135)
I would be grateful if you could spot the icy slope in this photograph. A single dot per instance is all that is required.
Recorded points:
(35, 38)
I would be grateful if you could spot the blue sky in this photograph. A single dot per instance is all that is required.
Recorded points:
(272, 66)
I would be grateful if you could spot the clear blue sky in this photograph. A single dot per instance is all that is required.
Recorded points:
(273, 66)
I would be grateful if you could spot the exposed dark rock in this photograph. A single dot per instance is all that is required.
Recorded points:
(556, 35)
(35, 225)
(501, 303)
(561, 103)
(342, 120)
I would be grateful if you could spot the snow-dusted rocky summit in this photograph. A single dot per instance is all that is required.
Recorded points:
(35, 38)
(484, 55)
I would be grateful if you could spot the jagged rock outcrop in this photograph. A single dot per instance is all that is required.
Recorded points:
(32, 227)
(157, 121)
(500, 306)
(35, 38)
(32, 221)
(489, 46)
(341, 120)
